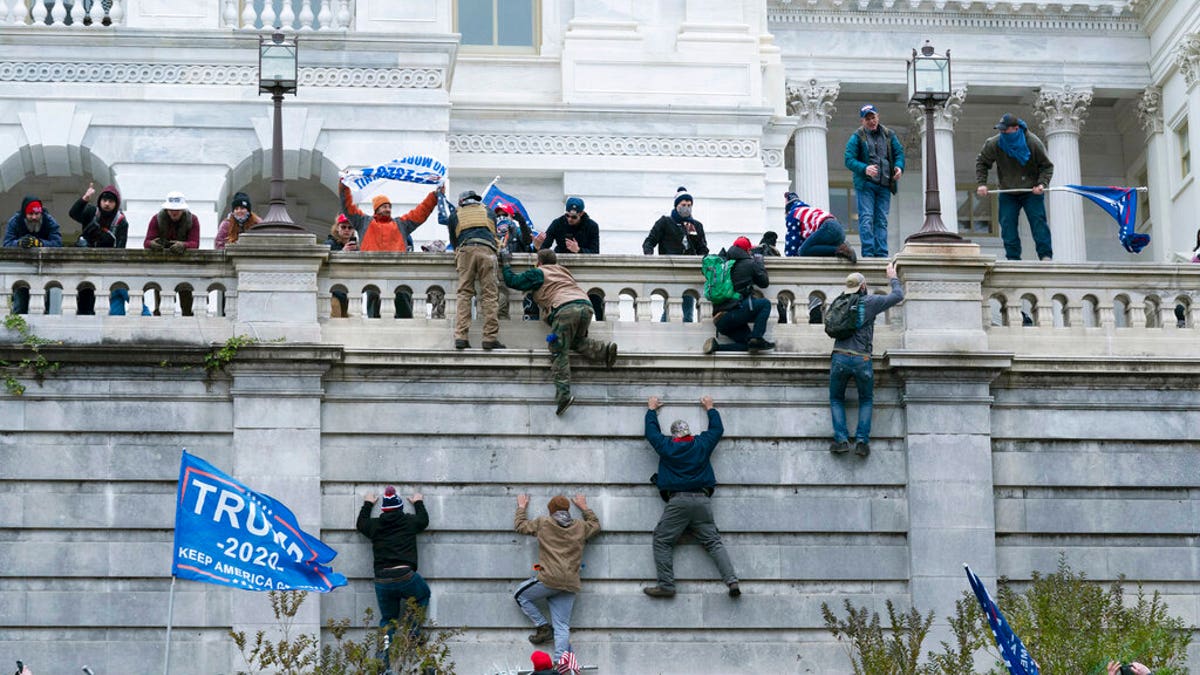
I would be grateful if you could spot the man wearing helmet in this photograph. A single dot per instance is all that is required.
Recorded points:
(472, 228)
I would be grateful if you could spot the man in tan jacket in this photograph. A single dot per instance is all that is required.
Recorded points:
(560, 553)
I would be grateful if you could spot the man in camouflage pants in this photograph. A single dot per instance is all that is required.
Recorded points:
(568, 310)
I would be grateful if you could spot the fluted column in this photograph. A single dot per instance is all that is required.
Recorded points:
(1188, 59)
(1062, 112)
(945, 116)
(811, 103)
(1149, 110)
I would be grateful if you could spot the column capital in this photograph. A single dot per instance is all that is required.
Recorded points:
(812, 102)
(1187, 58)
(945, 115)
(1062, 109)
(1149, 110)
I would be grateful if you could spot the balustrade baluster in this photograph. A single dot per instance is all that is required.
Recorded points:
(325, 17)
(58, 13)
(11, 18)
(306, 15)
(77, 14)
(249, 17)
(39, 14)
(230, 14)
(268, 14)
(355, 306)
(116, 12)
(343, 14)
(37, 302)
(287, 17)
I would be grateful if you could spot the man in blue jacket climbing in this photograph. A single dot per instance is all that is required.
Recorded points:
(686, 482)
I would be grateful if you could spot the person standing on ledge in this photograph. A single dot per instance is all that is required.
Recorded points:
(686, 481)
(1021, 164)
(876, 159)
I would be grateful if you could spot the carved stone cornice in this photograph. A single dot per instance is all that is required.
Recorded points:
(635, 146)
(945, 115)
(214, 74)
(812, 102)
(1187, 57)
(1062, 110)
(990, 17)
(1149, 110)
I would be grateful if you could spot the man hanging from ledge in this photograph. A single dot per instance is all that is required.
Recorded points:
(565, 306)
(686, 481)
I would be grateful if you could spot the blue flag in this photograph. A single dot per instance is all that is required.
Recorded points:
(1015, 656)
(1121, 204)
(495, 197)
(228, 534)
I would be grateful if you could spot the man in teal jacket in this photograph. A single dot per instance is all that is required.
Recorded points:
(876, 158)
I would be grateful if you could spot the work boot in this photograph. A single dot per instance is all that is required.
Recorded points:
(659, 592)
(494, 344)
(760, 345)
(839, 447)
(735, 591)
(462, 344)
(862, 448)
(563, 405)
(610, 355)
(542, 635)
(710, 345)
(844, 251)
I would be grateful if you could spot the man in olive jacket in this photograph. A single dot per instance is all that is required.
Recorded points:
(1021, 163)
(560, 553)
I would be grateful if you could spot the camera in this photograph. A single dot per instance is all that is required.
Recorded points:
(1126, 669)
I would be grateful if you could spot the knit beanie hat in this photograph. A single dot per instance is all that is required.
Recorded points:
(680, 428)
(682, 194)
(378, 201)
(575, 204)
(770, 238)
(743, 243)
(240, 199)
(541, 661)
(558, 503)
(391, 500)
(789, 197)
(33, 207)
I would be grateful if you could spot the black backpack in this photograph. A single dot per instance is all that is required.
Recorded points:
(846, 314)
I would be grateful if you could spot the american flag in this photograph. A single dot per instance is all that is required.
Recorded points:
(567, 664)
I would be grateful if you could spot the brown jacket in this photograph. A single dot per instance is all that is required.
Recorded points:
(560, 549)
(557, 289)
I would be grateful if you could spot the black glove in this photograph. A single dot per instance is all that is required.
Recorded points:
(178, 247)
(30, 241)
(505, 257)
(156, 245)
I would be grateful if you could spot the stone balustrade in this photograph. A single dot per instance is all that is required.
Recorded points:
(290, 15)
(63, 13)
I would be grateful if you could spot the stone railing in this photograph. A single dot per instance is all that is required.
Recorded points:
(63, 13)
(250, 15)
(290, 283)
(298, 15)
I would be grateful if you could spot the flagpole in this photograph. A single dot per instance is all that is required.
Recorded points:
(489, 187)
(170, 618)
(1055, 188)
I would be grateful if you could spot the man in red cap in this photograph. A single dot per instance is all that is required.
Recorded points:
(743, 319)
(542, 664)
(30, 227)
(393, 538)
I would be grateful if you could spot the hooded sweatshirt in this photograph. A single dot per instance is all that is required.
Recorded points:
(101, 229)
(17, 229)
(393, 534)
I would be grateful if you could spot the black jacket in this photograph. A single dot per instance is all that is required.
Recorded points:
(671, 239)
(393, 534)
(745, 275)
(586, 234)
(101, 230)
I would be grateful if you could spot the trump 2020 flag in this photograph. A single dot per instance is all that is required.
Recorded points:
(1121, 204)
(228, 534)
(495, 197)
(1015, 656)
(410, 169)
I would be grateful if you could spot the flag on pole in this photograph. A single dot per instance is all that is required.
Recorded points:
(1015, 656)
(410, 169)
(1121, 204)
(495, 197)
(567, 664)
(230, 535)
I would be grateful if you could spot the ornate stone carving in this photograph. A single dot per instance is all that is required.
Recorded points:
(1187, 56)
(1149, 109)
(638, 146)
(945, 115)
(772, 158)
(965, 16)
(1063, 109)
(812, 102)
(201, 74)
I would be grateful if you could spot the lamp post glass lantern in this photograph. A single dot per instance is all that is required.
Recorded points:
(277, 69)
(929, 85)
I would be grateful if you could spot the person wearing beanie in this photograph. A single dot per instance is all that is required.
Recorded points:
(574, 232)
(30, 227)
(742, 319)
(104, 225)
(814, 232)
(542, 664)
(393, 538)
(852, 359)
(567, 309)
(561, 539)
(472, 229)
(237, 222)
(686, 482)
(768, 245)
(678, 233)
(1022, 163)
(875, 157)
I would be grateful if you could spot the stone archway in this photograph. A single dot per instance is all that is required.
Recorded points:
(58, 175)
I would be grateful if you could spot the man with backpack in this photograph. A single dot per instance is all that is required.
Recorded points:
(851, 322)
(738, 315)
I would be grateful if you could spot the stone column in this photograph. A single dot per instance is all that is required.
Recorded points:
(1188, 59)
(946, 370)
(1061, 112)
(811, 103)
(1163, 238)
(775, 177)
(945, 116)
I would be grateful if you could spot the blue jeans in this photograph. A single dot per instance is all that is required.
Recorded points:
(874, 202)
(561, 604)
(825, 241)
(841, 369)
(1035, 212)
(689, 310)
(393, 596)
(735, 323)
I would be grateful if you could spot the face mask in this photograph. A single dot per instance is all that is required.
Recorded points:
(684, 211)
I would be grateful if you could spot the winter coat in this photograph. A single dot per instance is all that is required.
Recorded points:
(187, 229)
(669, 235)
(101, 230)
(377, 235)
(1009, 172)
(393, 534)
(560, 549)
(684, 464)
(862, 340)
(858, 156)
(17, 230)
(745, 275)
(229, 230)
(586, 234)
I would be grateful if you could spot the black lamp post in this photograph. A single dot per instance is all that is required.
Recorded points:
(277, 69)
(929, 85)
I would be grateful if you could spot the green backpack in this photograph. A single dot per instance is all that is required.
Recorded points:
(846, 314)
(718, 282)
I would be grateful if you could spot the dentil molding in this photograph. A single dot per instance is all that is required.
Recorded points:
(214, 74)
(1062, 110)
(968, 16)
(633, 146)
